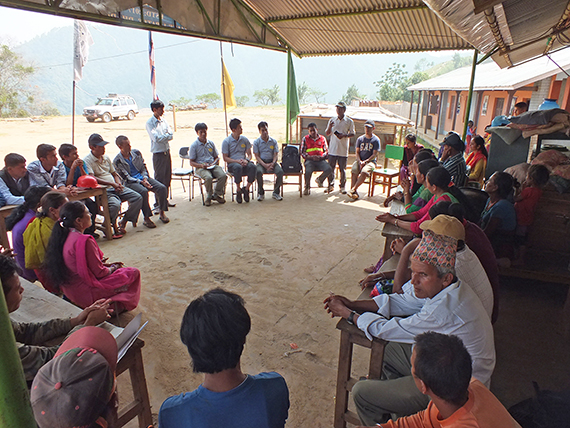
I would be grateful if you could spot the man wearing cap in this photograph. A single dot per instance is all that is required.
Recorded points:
(340, 129)
(433, 300)
(452, 158)
(367, 147)
(104, 171)
(77, 388)
(160, 134)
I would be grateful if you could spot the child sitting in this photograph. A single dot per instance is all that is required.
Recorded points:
(525, 205)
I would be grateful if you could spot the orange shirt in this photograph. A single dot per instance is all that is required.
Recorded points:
(482, 410)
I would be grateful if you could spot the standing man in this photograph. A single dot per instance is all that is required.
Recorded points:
(367, 147)
(266, 151)
(452, 158)
(314, 150)
(160, 134)
(104, 171)
(204, 157)
(237, 154)
(14, 179)
(340, 129)
(131, 168)
(48, 170)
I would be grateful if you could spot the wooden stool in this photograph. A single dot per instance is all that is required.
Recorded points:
(349, 336)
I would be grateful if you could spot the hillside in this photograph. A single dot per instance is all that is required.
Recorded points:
(187, 67)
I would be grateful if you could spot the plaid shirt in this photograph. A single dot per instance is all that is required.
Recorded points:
(457, 168)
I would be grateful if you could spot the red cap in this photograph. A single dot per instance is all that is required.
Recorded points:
(95, 338)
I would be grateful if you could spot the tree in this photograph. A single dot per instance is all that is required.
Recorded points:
(352, 94)
(242, 100)
(181, 102)
(212, 99)
(319, 95)
(13, 78)
(303, 93)
(393, 85)
(267, 95)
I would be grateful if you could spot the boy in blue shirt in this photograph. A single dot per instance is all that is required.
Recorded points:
(214, 328)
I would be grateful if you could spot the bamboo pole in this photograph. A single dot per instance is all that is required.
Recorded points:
(224, 90)
(470, 95)
(73, 116)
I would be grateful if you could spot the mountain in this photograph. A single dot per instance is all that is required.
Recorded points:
(186, 67)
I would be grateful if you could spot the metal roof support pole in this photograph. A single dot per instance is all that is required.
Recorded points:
(418, 109)
(287, 124)
(469, 95)
(15, 408)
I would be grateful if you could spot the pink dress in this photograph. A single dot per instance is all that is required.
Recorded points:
(89, 279)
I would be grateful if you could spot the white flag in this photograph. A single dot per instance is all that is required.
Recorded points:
(82, 40)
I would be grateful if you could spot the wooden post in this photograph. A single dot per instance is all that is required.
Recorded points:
(418, 109)
(174, 115)
(439, 114)
(73, 116)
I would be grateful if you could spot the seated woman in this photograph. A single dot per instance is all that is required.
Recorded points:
(411, 148)
(414, 186)
(477, 161)
(75, 264)
(19, 220)
(438, 182)
(37, 234)
(499, 218)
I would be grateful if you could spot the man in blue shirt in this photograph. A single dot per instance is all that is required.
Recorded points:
(130, 166)
(237, 154)
(367, 147)
(14, 179)
(214, 328)
(48, 170)
(266, 151)
(204, 157)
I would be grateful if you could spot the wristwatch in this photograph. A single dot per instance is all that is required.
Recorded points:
(350, 318)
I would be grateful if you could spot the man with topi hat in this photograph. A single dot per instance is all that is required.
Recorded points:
(340, 129)
(434, 300)
(367, 147)
(452, 158)
(77, 387)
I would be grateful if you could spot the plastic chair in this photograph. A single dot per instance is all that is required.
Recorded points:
(385, 176)
(184, 173)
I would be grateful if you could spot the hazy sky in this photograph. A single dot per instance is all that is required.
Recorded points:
(18, 26)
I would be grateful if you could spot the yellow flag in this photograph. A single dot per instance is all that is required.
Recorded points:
(228, 87)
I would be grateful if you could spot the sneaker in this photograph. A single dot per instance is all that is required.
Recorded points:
(343, 191)
(238, 196)
(260, 197)
(219, 199)
(307, 191)
(208, 201)
(319, 182)
(245, 193)
(277, 197)
(329, 189)
(351, 193)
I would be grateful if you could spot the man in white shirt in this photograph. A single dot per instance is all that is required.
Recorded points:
(340, 129)
(160, 134)
(434, 300)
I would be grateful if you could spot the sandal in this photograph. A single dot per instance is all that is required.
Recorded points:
(149, 223)
(117, 235)
(166, 219)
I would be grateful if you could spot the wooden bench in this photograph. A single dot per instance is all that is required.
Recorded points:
(5, 211)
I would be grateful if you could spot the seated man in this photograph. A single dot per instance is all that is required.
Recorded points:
(14, 179)
(130, 166)
(204, 157)
(214, 329)
(441, 368)
(104, 171)
(266, 150)
(452, 158)
(30, 336)
(48, 170)
(367, 147)
(237, 154)
(314, 150)
(434, 300)
(77, 388)
(75, 168)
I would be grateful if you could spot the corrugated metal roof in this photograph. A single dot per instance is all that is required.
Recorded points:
(490, 76)
(308, 27)
(524, 28)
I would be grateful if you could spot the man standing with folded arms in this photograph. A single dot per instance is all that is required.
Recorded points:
(340, 129)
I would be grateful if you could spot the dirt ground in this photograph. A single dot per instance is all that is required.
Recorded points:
(283, 257)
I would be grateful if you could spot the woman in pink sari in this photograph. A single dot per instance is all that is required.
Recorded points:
(76, 265)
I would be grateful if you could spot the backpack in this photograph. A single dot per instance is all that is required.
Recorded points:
(291, 161)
